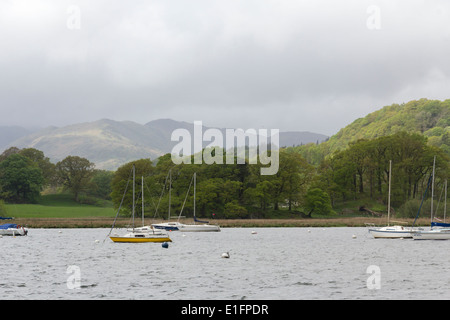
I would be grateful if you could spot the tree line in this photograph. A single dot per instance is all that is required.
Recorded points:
(362, 170)
(358, 172)
(24, 173)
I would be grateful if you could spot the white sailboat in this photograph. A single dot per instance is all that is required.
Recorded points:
(438, 231)
(139, 234)
(391, 232)
(170, 225)
(203, 226)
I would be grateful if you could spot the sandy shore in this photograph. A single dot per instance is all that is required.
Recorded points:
(106, 222)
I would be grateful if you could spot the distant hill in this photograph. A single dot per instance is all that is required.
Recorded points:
(12, 133)
(110, 144)
(428, 117)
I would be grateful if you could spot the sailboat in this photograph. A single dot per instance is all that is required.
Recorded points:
(442, 232)
(390, 232)
(139, 234)
(204, 226)
(170, 225)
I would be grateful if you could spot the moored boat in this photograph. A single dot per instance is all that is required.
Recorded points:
(199, 228)
(12, 229)
(168, 226)
(433, 234)
(139, 234)
(438, 230)
(203, 226)
(392, 232)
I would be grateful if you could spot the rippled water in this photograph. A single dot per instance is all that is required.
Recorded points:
(275, 263)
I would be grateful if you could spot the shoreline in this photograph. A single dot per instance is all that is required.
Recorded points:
(106, 222)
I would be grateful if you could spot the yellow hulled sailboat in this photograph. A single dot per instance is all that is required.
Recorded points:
(138, 234)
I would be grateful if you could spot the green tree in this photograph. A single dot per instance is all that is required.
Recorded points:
(296, 175)
(43, 162)
(20, 179)
(74, 173)
(317, 201)
(122, 181)
(100, 184)
(235, 211)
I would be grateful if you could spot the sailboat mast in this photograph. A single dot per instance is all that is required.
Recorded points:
(389, 193)
(170, 188)
(134, 172)
(432, 188)
(195, 181)
(445, 203)
(142, 186)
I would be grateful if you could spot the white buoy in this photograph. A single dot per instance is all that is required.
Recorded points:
(254, 232)
(354, 236)
(309, 231)
(226, 255)
(97, 241)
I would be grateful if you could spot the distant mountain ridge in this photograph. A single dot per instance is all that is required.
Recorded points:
(109, 143)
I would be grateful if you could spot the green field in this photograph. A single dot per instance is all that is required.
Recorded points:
(64, 206)
(61, 211)
(59, 206)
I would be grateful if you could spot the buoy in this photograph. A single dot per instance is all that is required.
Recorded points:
(97, 241)
(165, 245)
(309, 231)
(254, 232)
(354, 236)
(226, 255)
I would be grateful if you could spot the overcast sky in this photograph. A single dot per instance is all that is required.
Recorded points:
(278, 64)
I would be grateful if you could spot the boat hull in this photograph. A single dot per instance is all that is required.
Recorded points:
(396, 232)
(141, 237)
(432, 235)
(14, 232)
(176, 226)
(168, 226)
(199, 228)
(139, 240)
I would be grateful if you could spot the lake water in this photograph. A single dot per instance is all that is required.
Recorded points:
(275, 263)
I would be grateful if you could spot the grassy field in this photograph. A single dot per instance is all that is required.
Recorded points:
(58, 206)
(61, 211)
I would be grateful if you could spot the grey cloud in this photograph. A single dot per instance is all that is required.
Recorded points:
(292, 65)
